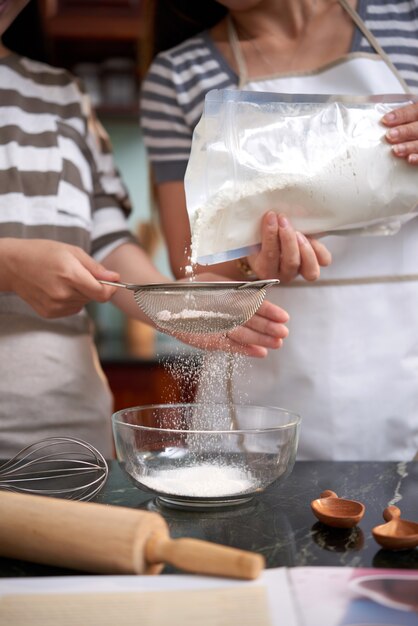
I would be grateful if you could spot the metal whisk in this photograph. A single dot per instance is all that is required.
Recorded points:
(57, 466)
(199, 307)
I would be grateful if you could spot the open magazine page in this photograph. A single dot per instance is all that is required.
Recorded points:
(148, 601)
(339, 596)
(301, 596)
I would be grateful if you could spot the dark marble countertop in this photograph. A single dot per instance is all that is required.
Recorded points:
(279, 523)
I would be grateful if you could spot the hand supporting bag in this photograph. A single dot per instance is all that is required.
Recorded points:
(323, 161)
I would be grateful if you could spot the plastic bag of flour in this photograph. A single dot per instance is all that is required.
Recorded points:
(323, 161)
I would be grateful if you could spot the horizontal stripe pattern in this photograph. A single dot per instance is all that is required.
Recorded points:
(57, 174)
(395, 26)
(67, 234)
(172, 99)
(174, 89)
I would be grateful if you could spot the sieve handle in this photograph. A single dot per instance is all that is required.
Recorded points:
(114, 284)
(261, 284)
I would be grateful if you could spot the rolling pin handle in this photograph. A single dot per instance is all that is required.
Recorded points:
(203, 557)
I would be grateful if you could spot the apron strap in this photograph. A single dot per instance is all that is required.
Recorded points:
(373, 41)
(363, 280)
(242, 66)
(237, 53)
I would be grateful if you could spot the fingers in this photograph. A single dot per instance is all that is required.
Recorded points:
(272, 312)
(298, 256)
(268, 259)
(104, 295)
(247, 335)
(237, 342)
(69, 292)
(323, 255)
(290, 256)
(223, 343)
(88, 288)
(254, 339)
(407, 150)
(309, 266)
(56, 279)
(266, 328)
(100, 272)
(86, 283)
(68, 301)
(285, 252)
(403, 132)
(53, 310)
(402, 115)
(404, 140)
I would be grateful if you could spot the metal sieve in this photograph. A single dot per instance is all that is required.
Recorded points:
(199, 307)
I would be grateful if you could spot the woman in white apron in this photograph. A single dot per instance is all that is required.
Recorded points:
(350, 364)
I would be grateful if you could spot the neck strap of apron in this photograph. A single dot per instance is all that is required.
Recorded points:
(242, 66)
(237, 52)
(373, 41)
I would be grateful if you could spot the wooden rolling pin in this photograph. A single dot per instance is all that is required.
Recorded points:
(108, 540)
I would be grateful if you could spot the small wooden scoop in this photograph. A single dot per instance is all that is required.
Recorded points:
(396, 534)
(108, 540)
(337, 512)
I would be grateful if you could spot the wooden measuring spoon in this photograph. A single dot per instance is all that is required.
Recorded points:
(337, 512)
(396, 534)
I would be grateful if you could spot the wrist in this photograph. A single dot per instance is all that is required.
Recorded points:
(7, 256)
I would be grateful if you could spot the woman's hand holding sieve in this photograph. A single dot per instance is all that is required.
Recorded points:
(266, 330)
(54, 278)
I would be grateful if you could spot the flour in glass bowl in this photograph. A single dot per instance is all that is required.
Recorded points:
(201, 481)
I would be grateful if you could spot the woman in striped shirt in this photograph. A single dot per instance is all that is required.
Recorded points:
(63, 210)
(350, 366)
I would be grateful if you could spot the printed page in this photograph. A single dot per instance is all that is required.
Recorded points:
(344, 596)
(147, 600)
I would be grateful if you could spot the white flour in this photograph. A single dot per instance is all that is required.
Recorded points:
(204, 481)
(327, 171)
(190, 314)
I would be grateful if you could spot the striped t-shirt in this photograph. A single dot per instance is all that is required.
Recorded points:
(57, 177)
(174, 89)
(57, 181)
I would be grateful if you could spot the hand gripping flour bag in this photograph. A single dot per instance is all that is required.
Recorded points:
(323, 161)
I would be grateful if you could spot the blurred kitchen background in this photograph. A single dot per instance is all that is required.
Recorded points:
(103, 42)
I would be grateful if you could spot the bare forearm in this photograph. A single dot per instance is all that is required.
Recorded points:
(7, 252)
(134, 266)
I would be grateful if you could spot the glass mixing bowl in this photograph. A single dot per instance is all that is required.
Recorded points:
(205, 455)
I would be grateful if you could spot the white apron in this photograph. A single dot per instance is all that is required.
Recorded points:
(51, 382)
(350, 364)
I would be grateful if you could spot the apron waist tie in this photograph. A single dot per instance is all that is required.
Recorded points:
(361, 280)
